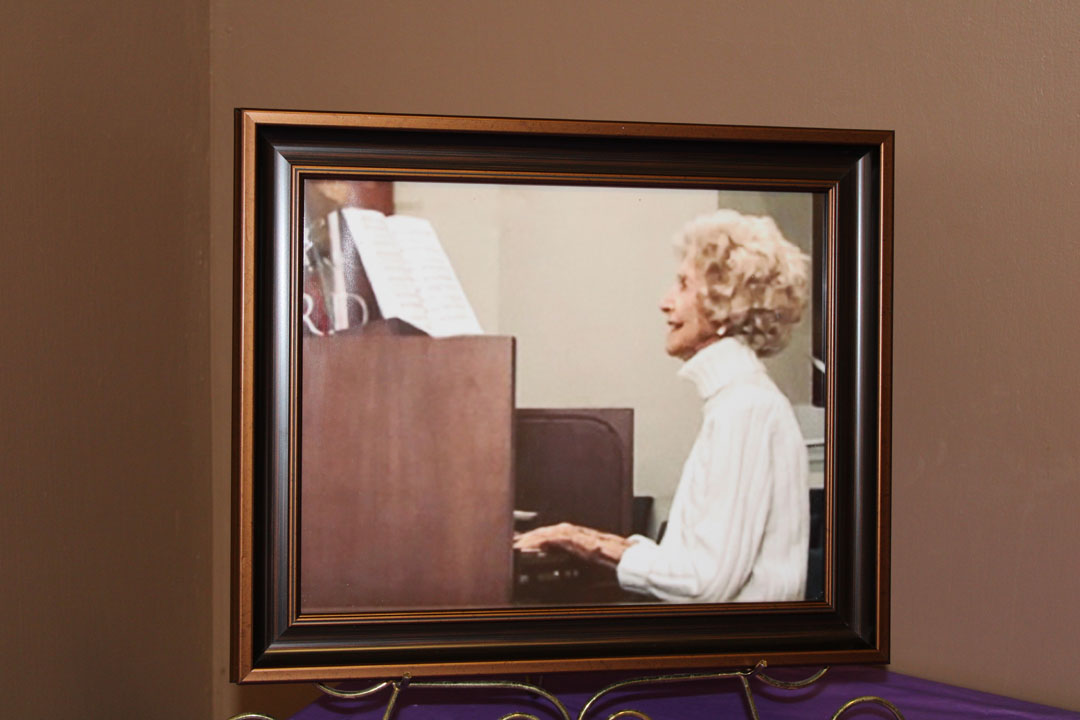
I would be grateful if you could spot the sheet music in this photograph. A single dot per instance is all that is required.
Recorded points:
(448, 309)
(410, 273)
(386, 266)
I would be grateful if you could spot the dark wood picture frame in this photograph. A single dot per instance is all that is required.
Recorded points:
(850, 173)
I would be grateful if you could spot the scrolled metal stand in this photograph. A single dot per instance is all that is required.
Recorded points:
(744, 676)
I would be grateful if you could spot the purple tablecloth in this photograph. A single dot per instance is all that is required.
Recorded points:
(716, 698)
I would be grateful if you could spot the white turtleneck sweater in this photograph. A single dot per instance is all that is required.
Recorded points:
(739, 525)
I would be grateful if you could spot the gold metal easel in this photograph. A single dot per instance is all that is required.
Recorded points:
(396, 687)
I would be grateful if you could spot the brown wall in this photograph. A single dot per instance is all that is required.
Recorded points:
(104, 449)
(116, 279)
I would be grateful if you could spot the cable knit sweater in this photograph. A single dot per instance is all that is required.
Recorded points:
(739, 524)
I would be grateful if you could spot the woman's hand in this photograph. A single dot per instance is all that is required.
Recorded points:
(592, 545)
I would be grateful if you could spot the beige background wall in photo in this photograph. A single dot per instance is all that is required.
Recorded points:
(117, 208)
(576, 276)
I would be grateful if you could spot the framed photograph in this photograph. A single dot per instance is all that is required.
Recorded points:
(533, 395)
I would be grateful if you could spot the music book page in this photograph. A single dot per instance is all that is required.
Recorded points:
(410, 272)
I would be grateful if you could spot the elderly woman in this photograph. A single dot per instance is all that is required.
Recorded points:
(738, 529)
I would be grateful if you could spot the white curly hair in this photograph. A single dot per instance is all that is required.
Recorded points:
(755, 280)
